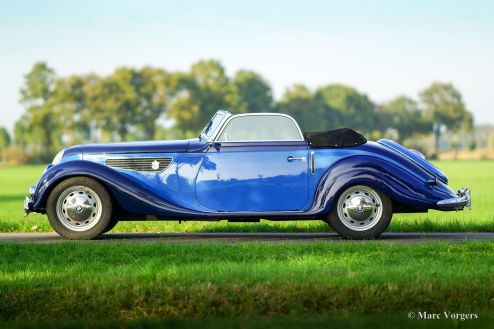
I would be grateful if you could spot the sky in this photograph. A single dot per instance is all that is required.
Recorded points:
(383, 48)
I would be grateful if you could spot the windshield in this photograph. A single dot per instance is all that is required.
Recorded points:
(212, 125)
(261, 127)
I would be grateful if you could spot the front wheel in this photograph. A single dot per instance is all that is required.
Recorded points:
(361, 212)
(79, 208)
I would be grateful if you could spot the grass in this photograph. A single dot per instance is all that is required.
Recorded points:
(126, 281)
(379, 321)
(478, 175)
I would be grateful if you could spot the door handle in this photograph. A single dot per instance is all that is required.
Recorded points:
(290, 159)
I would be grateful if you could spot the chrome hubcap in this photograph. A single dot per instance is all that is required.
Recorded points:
(79, 208)
(359, 208)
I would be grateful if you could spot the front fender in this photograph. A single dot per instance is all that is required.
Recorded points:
(130, 194)
(395, 181)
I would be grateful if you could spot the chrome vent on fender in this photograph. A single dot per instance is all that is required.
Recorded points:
(140, 164)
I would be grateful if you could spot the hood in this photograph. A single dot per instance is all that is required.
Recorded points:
(130, 147)
(416, 157)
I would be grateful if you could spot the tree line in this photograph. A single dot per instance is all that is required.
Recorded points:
(154, 103)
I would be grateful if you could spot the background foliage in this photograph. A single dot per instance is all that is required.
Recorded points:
(153, 103)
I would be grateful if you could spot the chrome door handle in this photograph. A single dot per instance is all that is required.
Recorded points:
(290, 159)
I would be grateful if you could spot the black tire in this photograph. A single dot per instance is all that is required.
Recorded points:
(351, 228)
(76, 196)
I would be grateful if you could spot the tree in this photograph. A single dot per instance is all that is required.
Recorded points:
(198, 94)
(211, 90)
(4, 142)
(254, 93)
(404, 115)
(183, 105)
(444, 106)
(114, 103)
(5, 139)
(38, 85)
(69, 104)
(21, 132)
(153, 89)
(348, 107)
(300, 103)
(42, 122)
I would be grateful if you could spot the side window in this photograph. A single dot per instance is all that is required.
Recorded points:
(259, 128)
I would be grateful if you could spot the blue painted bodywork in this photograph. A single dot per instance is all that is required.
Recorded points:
(248, 179)
(129, 147)
(254, 177)
(420, 160)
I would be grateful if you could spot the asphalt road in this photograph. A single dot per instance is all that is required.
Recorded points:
(246, 237)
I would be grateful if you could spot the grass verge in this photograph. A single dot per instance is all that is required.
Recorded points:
(130, 281)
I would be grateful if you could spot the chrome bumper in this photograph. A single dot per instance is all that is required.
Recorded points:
(458, 203)
(29, 201)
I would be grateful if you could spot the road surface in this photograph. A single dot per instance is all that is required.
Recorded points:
(246, 237)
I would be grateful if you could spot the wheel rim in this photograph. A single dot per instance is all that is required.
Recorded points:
(79, 208)
(359, 208)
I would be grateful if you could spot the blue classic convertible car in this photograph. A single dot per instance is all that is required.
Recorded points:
(243, 167)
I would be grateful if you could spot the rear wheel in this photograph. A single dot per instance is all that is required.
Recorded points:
(79, 208)
(361, 212)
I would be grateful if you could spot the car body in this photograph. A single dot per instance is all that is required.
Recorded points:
(243, 167)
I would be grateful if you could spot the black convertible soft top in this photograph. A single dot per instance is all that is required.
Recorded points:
(341, 137)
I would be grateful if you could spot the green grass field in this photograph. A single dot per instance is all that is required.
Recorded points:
(253, 280)
(477, 175)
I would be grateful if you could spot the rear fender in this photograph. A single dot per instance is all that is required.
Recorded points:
(395, 181)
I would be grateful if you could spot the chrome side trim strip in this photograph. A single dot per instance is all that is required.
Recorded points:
(312, 163)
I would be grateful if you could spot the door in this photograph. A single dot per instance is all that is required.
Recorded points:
(254, 176)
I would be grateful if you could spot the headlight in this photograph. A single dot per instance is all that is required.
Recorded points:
(58, 157)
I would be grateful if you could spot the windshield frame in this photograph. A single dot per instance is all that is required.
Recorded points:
(226, 120)
(212, 130)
